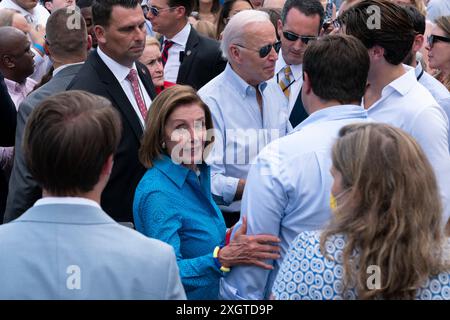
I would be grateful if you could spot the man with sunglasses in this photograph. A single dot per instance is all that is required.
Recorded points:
(248, 110)
(393, 94)
(301, 22)
(188, 57)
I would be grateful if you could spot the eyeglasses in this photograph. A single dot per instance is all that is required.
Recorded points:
(154, 10)
(264, 51)
(433, 38)
(293, 37)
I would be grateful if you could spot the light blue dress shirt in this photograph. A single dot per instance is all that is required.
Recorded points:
(307, 275)
(437, 90)
(173, 205)
(406, 104)
(288, 191)
(242, 130)
(68, 248)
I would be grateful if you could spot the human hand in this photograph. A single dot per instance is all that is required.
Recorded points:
(250, 249)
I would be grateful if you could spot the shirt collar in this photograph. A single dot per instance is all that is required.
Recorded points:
(296, 69)
(239, 84)
(339, 112)
(418, 70)
(17, 87)
(67, 200)
(404, 83)
(181, 37)
(176, 172)
(119, 71)
(65, 66)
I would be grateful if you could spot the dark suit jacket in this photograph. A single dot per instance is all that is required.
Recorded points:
(202, 61)
(7, 130)
(23, 189)
(95, 77)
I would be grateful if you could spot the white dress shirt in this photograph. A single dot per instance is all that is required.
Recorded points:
(173, 60)
(297, 73)
(288, 191)
(406, 104)
(121, 72)
(66, 200)
(437, 90)
(242, 129)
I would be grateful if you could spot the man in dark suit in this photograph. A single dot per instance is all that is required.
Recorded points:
(188, 57)
(301, 22)
(67, 48)
(112, 71)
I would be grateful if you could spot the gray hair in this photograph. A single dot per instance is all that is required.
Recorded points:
(235, 29)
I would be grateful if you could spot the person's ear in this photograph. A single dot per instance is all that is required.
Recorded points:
(306, 87)
(89, 42)
(100, 34)
(376, 53)
(235, 53)
(8, 61)
(46, 49)
(280, 27)
(107, 167)
(418, 42)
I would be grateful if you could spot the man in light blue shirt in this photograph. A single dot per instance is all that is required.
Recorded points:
(248, 110)
(66, 246)
(393, 95)
(288, 187)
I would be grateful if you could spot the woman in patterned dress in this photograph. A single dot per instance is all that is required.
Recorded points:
(386, 240)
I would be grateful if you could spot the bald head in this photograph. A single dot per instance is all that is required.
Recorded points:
(10, 39)
(16, 59)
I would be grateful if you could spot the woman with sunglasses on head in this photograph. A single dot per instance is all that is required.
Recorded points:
(386, 238)
(439, 50)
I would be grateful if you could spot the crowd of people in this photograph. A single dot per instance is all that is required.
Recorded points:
(237, 149)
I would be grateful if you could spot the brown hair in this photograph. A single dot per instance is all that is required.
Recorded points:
(395, 34)
(63, 38)
(68, 139)
(338, 66)
(162, 107)
(390, 213)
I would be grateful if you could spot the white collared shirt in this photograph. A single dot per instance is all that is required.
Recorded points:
(37, 15)
(406, 104)
(121, 72)
(173, 60)
(297, 73)
(66, 200)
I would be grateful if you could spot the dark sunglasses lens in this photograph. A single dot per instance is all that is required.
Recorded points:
(290, 36)
(154, 11)
(305, 40)
(264, 51)
(277, 46)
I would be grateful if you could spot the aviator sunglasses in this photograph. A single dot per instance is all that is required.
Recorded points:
(264, 51)
(293, 37)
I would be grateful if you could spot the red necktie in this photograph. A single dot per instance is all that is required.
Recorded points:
(133, 78)
(165, 52)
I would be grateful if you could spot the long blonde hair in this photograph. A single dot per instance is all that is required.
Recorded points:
(390, 213)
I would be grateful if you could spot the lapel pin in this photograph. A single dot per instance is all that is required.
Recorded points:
(188, 53)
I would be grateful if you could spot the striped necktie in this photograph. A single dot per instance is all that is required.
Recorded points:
(286, 81)
(165, 52)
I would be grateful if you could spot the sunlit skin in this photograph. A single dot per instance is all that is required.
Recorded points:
(301, 25)
(439, 52)
(124, 38)
(248, 64)
(184, 135)
(151, 58)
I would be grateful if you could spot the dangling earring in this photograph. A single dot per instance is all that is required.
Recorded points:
(163, 145)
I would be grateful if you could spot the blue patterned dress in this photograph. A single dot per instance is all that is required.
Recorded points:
(175, 205)
(306, 275)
